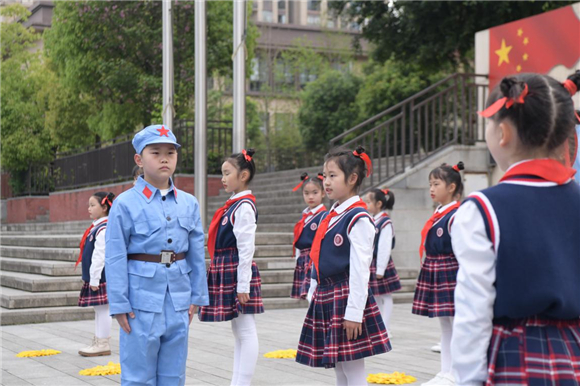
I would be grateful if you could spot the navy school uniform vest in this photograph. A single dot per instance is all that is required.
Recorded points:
(379, 225)
(335, 247)
(309, 231)
(537, 242)
(88, 253)
(438, 240)
(225, 236)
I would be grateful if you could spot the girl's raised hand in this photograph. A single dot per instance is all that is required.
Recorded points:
(243, 298)
(353, 329)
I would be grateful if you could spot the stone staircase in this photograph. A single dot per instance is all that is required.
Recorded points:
(39, 282)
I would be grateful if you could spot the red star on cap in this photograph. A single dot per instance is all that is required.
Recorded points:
(163, 132)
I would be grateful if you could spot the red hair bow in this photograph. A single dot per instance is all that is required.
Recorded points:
(570, 87)
(505, 101)
(320, 176)
(106, 199)
(300, 184)
(246, 155)
(386, 191)
(456, 168)
(361, 154)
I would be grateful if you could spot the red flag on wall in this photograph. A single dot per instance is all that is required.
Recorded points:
(534, 44)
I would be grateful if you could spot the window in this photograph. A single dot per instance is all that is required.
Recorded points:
(267, 16)
(259, 75)
(313, 5)
(282, 18)
(330, 23)
(307, 75)
(281, 5)
(313, 20)
(283, 77)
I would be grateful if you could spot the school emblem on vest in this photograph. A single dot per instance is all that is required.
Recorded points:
(313, 226)
(90, 238)
(338, 240)
(439, 232)
(225, 220)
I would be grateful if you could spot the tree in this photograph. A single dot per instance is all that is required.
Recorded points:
(390, 83)
(25, 89)
(328, 108)
(110, 53)
(434, 34)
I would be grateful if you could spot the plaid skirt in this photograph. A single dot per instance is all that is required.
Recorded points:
(222, 281)
(434, 295)
(535, 352)
(302, 272)
(390, 281)
(90, 298)
(323, 340)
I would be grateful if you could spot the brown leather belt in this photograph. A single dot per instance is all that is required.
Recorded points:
(165, 257)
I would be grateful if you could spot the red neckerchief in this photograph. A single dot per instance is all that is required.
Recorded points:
(215, 221)
(321, 232)
(548, 170)
(429, 224)
(84, 240)
(299, 227)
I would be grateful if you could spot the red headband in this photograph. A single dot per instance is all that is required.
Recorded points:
(505, 101)
(106, 199)
(366, 159)
(386, 191)
(246, 155)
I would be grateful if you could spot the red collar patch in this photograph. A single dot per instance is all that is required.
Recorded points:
(163, 132)
(147, 192)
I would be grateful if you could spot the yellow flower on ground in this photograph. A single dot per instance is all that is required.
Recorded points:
(395, 378)
(110, 369)
(37, 353)
(281, 354)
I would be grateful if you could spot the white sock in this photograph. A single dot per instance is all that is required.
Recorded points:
(245, 349)
(385, 303)
(446, 334)
(354, 372)
(102, 321)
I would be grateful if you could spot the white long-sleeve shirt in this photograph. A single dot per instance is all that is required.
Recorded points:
(385, 245)
(474, 296)
(311, 213)
(361, 237)
(98, 258)
(245, 233)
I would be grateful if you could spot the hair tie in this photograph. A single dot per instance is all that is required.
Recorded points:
(320, 176)
(456, 168)
(360, 153)
(386, 191)
(505, 101)
(106, 199)
(247, 156)
(301, 183)
(570, 87)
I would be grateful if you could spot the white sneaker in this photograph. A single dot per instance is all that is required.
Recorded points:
(434, 381)
(436, 348)
(99, 347)
(445, 380)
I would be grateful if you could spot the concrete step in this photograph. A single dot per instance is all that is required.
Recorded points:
(45, 315)
(15, 299)
(41, 253)
(39, 283)
(277, 276)
(40, 267)
(73, 240)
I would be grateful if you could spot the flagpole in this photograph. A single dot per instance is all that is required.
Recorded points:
(239, 58)
(168, 112)
(200, 147)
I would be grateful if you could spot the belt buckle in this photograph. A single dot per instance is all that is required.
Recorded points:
(166, 257)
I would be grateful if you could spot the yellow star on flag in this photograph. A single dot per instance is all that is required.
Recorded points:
(526, 41)
(520, 32)
(525, 57)
(518, 68)
(503, 53)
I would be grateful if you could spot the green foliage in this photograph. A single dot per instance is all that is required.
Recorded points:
(328, 108)
(15, 39)
(390, 83)
(434, 34)
(111, 53)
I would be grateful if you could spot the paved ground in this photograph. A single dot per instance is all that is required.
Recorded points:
(211, 352)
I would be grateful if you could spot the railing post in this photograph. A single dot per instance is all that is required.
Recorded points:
(411, 134)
